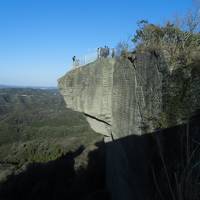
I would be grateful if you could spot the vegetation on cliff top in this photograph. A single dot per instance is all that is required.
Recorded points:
(178, 46)
(177, 40)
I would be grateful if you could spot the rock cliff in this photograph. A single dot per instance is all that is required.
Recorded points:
(88, 89)
(122, 98)
(128, 97)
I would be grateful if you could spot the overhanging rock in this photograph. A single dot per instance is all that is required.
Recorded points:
(88, 89)
(123, 100)
(116, 95)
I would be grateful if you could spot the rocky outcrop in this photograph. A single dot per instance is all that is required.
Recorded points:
(137, 94)
(88, 89)
(115, 95)
(131, 97)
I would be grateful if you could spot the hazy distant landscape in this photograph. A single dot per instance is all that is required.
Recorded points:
(26, 87)
(35, 126)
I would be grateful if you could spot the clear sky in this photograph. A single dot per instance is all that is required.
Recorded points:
(39, 37)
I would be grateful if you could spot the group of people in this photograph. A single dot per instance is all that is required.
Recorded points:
(104, 52)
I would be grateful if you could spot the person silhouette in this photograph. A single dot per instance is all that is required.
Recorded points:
(74, 60)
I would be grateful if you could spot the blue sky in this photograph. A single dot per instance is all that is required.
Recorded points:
(39, 37)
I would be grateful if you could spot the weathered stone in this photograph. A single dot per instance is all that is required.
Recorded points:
(125, 99)
(116, 95)
(137, 94)
(89, 90)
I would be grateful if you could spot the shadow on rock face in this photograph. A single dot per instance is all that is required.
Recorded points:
(161, 165)
(147, 167)
(58, 179)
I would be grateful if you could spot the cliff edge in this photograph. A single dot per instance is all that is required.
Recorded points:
(122, 97)
(125, 98)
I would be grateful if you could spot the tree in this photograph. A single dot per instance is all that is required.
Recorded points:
(177, 45)
(192, 21)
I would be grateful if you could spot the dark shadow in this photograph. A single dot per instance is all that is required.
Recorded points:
(144, 167)
(58, 179)
(148, 167)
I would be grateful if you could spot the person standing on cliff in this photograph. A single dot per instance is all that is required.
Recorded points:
(74, 60)
(98, 52)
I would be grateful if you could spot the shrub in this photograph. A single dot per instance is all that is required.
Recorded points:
(179, 45)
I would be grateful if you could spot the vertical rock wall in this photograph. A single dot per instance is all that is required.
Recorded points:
(137, 95)
(88, 89)
(124, 100)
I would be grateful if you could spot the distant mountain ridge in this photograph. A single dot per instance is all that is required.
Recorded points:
(32, 87)
(4, 86)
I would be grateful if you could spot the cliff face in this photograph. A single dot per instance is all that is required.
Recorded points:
(116, 96)
(124, 98)
(137, 94)
(89, 90)
(128, 97)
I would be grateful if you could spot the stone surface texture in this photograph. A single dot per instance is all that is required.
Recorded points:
(124, 100)
(88, 89)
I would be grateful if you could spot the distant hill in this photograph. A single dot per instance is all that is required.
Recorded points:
(35, 126)
(33, 87)
(4, 86)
